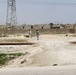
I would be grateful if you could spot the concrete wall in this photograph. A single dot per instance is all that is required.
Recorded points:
(26, 27)
(70, 26)
(46, 27)
(42, 31)
(59, 70)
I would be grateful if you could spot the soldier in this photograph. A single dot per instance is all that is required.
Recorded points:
(30, 33)
(37, 34)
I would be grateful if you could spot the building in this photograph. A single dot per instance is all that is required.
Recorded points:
(71, 28)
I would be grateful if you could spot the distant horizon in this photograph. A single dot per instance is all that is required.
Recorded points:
(40, 23)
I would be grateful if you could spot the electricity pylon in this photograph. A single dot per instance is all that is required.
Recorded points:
(11, 13)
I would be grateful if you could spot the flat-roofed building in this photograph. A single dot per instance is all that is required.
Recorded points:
(71, 27)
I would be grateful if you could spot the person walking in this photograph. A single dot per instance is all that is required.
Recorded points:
(30, 33)
(37, 34)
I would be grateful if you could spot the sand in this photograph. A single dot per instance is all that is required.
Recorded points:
(47, 51)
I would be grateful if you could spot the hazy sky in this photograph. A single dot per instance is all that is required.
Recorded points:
(41, 11)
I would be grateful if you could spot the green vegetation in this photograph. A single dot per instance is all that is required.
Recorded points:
(4, 58)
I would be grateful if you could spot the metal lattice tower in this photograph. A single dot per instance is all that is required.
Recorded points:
(11, 13)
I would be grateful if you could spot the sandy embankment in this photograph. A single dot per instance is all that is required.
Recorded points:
(49, 50)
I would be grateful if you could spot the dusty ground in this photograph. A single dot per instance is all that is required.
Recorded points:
(49, 50)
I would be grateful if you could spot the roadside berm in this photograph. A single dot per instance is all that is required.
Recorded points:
(49, 50)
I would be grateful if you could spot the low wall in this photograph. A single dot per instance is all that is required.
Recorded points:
(42, 31)
(68, 70)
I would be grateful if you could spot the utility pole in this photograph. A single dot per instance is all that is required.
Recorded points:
(11, 19)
